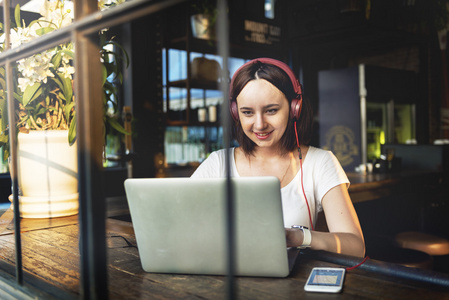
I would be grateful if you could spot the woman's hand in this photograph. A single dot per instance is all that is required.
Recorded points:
(294, 237)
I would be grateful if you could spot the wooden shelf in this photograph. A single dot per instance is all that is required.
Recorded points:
(191, 124)
(195, 84)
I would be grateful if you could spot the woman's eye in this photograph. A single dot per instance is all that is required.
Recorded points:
(247, 112)
(272, 111)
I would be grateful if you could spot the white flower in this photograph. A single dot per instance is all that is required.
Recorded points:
(66, 71)
(21, 36)
(59, 13)
(35, 68)
(24, 83)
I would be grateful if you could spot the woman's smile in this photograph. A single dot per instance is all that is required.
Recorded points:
(263, 135)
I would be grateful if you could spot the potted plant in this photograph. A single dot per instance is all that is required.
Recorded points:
(204, 19)
(45, 110)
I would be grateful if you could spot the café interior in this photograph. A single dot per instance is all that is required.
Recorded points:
(374, 71)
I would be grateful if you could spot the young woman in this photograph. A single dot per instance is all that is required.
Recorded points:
(272, 124)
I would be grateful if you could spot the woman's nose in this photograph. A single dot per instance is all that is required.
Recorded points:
(259, 122)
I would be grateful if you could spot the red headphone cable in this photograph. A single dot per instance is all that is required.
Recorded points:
(302, 182)
(359, 264)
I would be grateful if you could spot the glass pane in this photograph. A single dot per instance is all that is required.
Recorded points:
(376, 128)
(197, 98)
(44, 100)
(206, 69)
(47, 176)
(40, 17)
(404, 124)
(214, 97)
(215, 135)
(178, 104)
(269, 9)
(177, 64)
(115, 61)
(234, 64)
(184, 145)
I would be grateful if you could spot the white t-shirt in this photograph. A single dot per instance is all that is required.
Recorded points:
(321, 172)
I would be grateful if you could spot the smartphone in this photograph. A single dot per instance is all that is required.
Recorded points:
(326, 280)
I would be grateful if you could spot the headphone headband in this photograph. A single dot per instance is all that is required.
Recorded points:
(296, 103)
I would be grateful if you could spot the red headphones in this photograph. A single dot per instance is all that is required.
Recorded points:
(296, 105)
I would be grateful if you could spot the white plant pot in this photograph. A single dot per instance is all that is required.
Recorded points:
(201, 28)
(47, 174)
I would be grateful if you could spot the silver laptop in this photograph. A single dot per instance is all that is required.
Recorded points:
(180, 226)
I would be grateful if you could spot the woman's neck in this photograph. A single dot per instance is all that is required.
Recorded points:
(264, 162)
(275, 154)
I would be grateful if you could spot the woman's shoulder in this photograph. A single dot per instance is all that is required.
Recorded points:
(221, 153)
(213, 165)
(318, 152)
(321, 157)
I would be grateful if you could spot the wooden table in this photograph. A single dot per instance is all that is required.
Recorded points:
(373, 186)
(50, 253)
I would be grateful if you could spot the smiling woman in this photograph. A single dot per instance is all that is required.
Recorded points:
(272, 124)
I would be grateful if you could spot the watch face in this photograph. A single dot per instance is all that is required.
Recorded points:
(300, 227)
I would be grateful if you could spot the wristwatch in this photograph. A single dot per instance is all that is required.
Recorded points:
(307, 236)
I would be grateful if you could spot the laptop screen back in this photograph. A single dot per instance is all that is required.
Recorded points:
(180, 225)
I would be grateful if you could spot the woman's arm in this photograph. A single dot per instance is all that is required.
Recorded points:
(345, 235)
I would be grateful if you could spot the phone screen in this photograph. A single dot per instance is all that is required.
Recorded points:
(325, 280)
(326, 277)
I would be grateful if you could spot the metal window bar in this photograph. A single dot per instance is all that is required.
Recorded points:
(13, 148)
(223, 51)
(92, 228)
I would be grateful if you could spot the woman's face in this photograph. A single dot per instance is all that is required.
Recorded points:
(263, 112)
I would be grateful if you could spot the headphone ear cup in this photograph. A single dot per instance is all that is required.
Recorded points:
(234, 111)
(295, 109)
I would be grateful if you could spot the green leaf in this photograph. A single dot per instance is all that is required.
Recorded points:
(65, 85)
(56, 59)
(104, 74)
(125, 54)
(117, 126)
(3, 138)
(4, 117)
(67, 90)
(17, 16)
(31, 93)
(44, 30)
(69, 53)
(41, 22)
(61, 97)
(72, 131)
(68, 110)
(18, 97)
(58, 82)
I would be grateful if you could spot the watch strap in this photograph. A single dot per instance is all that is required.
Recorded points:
(307, 241)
